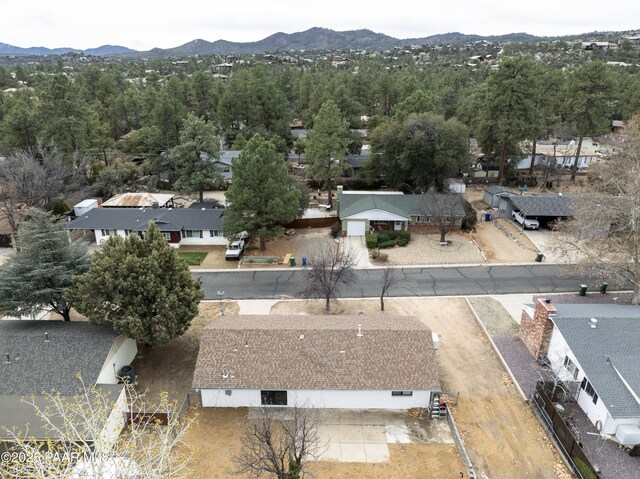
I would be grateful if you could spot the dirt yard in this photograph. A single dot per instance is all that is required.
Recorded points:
(426, 249)
(499, 248)
(304, 242)
(501, 434)
(213, 260)
(170, 367)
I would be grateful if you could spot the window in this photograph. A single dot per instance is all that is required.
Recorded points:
(273, 398)
(192, 233)
(402, 393)
(215, 233)
(568, 364)
(127, 232)
(166, 236)
(588, 388)
(380, 222)
(108, 232)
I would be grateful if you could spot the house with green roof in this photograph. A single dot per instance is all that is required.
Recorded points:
(362, 212)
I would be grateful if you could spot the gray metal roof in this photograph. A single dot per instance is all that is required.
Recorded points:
(401, 205)
(138, 220)
(542, 205)
(607, 353)
(73, 347)
(494, 190)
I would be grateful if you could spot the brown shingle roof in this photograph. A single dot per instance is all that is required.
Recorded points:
(257, 352)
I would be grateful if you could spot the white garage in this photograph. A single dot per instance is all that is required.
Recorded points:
(356, 228)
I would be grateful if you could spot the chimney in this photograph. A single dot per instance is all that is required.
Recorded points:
(46, 337)
(535, 331)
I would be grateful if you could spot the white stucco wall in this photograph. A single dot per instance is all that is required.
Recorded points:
(319, 398)
(206, 240)
(123, 351)
(113, 425)
(100, 239)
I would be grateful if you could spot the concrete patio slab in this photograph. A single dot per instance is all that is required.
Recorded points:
(374, 435)
(397, 434)
(376, 452)
(350, 416)
(352, 453)
(351, 434)
(332, 452)
(374, 418)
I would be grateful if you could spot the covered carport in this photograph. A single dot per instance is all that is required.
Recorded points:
(545, 208)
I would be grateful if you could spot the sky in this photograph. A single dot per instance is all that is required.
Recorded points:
(144, 24)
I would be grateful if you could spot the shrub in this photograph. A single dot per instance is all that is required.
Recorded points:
(470, 218)
(387, 244)
(335, 229)
(385, 236)
(371, 241)
(383, 257)
(403, 238)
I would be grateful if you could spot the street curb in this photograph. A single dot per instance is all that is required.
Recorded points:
(495, 348)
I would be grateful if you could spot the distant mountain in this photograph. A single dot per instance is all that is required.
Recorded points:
(312, 39)
(7, 50)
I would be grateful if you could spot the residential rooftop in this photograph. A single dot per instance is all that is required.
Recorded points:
(137, 200)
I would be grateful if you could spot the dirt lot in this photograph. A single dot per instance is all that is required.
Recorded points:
(170, 367)
(501, 434)
(303, 243)
(426, 249)
(214, 260)
(498, 248)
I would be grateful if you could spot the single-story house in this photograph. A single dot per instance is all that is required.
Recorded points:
(595, 347)
(564, 154)
(544, 208)
(363, 211)
(492, 195)
(355, 362)
(41, 356)
(180, 227)
(224, 163)
(139, 200)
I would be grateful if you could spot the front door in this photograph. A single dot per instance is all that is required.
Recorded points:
(397, 226)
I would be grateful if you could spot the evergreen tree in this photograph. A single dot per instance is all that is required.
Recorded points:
(193, 157)
(261, 198)
(140, 286)
(326, 146)
(36, 277)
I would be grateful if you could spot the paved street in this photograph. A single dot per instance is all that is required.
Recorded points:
(413, 281)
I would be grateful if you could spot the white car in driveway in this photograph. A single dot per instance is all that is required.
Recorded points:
(234, 250)
(527, 223)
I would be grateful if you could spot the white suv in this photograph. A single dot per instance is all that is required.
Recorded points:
(525, 222)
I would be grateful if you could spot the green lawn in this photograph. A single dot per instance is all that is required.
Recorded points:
(193, 258)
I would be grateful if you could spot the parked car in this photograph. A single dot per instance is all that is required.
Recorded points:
(234, 249)
(527, 223)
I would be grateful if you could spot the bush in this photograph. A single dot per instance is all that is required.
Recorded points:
(385, 236)
(470, 218)
(335, 229)
(387, 244)
(403, 238)
(383, 257)
(371, 241)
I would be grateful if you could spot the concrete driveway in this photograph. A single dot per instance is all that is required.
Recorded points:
(359, 247)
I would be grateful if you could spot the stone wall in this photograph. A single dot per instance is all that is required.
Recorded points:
(536, 332)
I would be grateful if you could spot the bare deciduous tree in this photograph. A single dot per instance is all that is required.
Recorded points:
(388, 280)
(604, 233)
(278, 443)
(329, 269)
(81, 429)
(445, 210)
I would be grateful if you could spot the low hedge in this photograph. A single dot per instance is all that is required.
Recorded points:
(371, 241)
(389, 239)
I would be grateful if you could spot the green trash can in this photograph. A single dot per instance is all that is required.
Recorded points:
(292, 261)
(583, 290)
(603, 287)
(539, 257)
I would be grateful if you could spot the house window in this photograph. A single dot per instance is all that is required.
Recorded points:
(127, 232)
(215, 233)
(402, 393)
(108, 232)
(571, 367)
(273, 398)
(166, 236)
(192, 233)
(588, 388)
(380, 222)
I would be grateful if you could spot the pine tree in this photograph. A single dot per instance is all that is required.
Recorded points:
(140, 286)
(261, 198)
(36, 277)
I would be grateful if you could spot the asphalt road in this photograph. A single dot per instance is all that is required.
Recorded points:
(427, 281)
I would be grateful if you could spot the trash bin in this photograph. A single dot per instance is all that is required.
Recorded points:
(603, 287)
(304, 261)
(292, 261)
(583, 290)
(539, 257)
(487, 216)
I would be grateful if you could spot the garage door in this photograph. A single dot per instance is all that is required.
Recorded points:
(355, 228)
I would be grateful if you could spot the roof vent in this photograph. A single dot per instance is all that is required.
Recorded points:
(7, 360)
(302, 336)
(359, 330)
(225, 373)
(594, 323)
(246, 343)
(46, 337)
(361, 313)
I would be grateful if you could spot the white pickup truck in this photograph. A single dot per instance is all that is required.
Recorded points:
(526, 223)
(234, 249)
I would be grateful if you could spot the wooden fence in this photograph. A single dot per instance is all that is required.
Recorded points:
(569, 446)
(300, 223)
